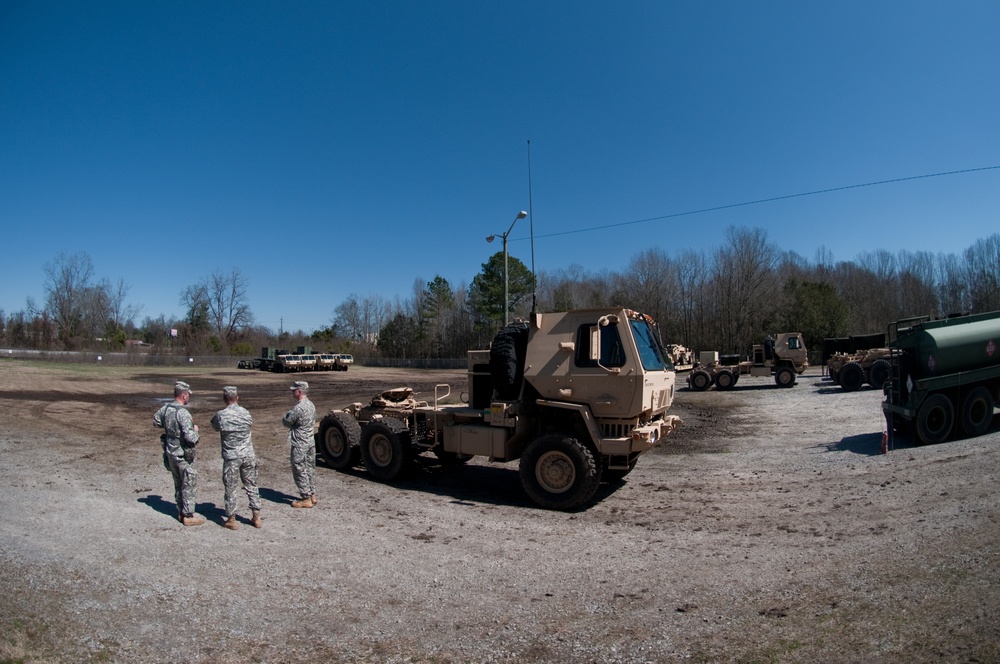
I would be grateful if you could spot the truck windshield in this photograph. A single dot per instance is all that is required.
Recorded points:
(647, 342)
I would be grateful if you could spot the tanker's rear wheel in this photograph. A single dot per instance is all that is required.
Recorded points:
(977, 411)
(559, 472)
(935, 419)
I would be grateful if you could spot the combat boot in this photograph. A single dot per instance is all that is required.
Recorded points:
(192, 520)
(231, 523)
(303, 502)
(255, 520)
(313, 497)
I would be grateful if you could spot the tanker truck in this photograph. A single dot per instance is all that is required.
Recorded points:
(944, 376)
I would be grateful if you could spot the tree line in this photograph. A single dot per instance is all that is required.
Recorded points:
(726, 299)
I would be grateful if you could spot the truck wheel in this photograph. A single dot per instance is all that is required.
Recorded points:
(700, 380)
(385, 448)
(559, 473)
(724, 380)
(339, 437)
(784, 377)
(935, 419)
(878, 373)
(977, 411)
(852, 377)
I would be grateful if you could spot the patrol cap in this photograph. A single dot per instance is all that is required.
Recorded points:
(181, 386)
(300, 385)
(229, 391)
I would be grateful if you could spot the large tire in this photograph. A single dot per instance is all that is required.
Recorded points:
(507, 361)
(852, 377)
(784, 377)
(724, 380)
(385, 448)
(935, 419)
(977, 411)
(700, 380)
(878, 373)
(559, 472)
(339, 439)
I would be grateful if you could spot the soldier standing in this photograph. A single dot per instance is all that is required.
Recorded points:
(238, 459)
(179, 438)
(300, 422)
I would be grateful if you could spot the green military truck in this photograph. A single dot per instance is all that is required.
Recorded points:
(944, 376)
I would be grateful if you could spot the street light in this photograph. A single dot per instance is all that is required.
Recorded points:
(506, 281)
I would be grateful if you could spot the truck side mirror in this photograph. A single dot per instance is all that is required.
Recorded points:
(595, 343)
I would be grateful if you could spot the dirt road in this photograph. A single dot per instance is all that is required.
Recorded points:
(770, 528)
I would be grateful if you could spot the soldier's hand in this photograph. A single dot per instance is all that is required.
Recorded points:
(196, 428)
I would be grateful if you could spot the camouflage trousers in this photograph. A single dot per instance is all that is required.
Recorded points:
(185, 483)
(303, 468)
(235, 471)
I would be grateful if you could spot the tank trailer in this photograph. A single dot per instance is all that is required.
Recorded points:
(944, 376)
(576, 396)
(783, 357)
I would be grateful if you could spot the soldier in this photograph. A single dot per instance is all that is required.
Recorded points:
(179, 438)
(238, 459)
(300, 421)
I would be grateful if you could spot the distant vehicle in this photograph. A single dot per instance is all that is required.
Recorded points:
(344, 361)
(783, 358)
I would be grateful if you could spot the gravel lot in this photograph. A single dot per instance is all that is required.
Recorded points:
(769, 529)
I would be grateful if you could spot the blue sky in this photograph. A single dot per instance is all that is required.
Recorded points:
(330, 148)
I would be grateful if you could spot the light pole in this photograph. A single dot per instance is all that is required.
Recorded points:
(506, 281)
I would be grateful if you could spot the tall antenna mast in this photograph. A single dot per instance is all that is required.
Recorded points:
(531, 226)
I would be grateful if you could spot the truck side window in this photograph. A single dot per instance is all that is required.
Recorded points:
(612, 350)
(793, 343)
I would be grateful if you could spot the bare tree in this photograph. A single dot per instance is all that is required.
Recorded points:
(746, 286)
(982, 262)
(221, 299)
(67, 280)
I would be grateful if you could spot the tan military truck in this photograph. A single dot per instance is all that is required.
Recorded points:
(783, 357)
(576, 396)
(852, 370)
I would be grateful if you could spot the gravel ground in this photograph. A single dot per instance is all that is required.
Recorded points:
(770, 528)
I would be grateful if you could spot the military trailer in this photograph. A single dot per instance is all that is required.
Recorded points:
(680, 356)
(576, 396)
(944, 376)
(852, 370)
(783, 357)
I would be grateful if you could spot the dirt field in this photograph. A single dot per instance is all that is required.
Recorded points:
(769, 529)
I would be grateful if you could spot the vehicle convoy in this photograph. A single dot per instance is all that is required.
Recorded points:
(576, 396)
(784, 358)
(944, 377)
(852, 370)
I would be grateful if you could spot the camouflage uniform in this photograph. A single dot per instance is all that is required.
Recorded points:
(239, 463)
(300, 423)
(179, 439)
